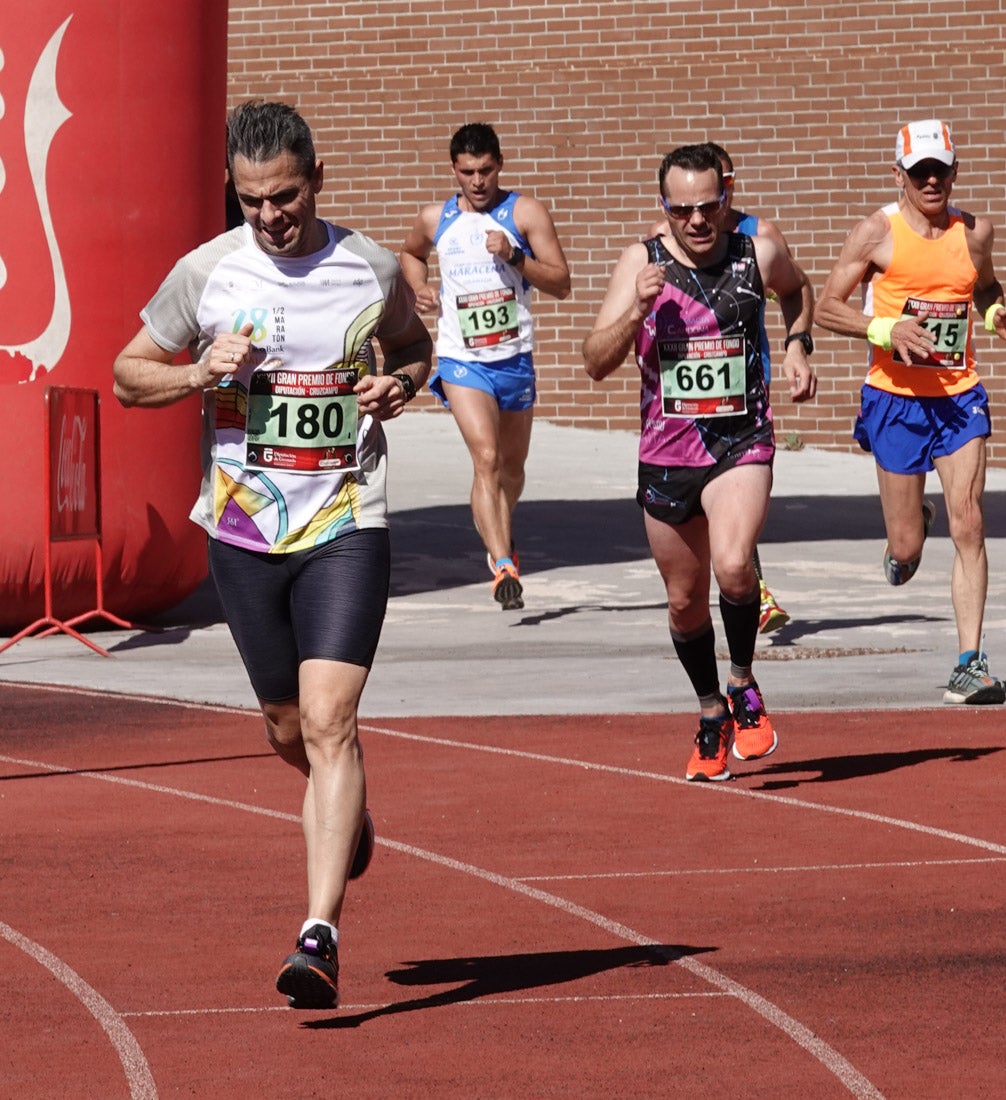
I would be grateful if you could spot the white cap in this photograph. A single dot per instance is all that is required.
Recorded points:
(927, 140)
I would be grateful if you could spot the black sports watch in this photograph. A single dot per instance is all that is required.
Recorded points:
(805, 338)
(408, 386)
(517, 256)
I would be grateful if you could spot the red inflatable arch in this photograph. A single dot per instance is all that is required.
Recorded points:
(111, 153)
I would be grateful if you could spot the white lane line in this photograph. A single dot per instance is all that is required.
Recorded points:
(481, 1002)
(899, 864)
(102, 693)
(586, 765)
(700, 788)
(134, 1064)
(857, 1084)
(827, 1056)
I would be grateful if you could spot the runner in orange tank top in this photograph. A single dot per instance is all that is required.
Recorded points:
(926, 272)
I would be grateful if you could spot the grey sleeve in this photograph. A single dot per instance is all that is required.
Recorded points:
(171, 315)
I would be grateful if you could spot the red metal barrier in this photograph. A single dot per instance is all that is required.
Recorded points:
(71, 485)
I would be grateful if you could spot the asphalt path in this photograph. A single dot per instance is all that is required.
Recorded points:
(592, 637)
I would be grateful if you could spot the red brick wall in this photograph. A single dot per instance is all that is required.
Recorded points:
(587, 97)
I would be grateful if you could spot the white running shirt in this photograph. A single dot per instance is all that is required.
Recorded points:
(316, 315)
(485, 312)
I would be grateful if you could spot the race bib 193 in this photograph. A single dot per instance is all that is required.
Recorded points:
(302, 421)
(488, 317)
(703, 378)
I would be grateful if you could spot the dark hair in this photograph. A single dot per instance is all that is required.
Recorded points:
(723, 155)
(693, 158)
(261, 131)
(475, 139)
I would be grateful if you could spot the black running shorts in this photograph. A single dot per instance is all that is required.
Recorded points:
(673, 494)
(327, 602)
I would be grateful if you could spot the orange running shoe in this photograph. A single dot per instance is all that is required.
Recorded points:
(507, 589)
(709, 757)
(514, 557)
(753, 733)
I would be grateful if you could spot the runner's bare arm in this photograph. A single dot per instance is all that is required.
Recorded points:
(783, 277)
(773, 232)
(146, 375)
(867, 249)
(633, 289)
(415, 259)
(988, 290)
(547, 270)
(410, 353)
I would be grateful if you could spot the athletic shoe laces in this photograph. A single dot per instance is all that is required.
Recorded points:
(710, 737)
(747, 705)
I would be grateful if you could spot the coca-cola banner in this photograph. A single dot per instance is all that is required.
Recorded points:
(111, 167)
(73, 463)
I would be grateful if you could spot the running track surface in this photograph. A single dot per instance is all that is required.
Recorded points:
(551, 910)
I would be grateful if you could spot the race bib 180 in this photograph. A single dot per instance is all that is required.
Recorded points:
(302, 421)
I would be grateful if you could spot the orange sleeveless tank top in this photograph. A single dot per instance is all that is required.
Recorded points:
(936, 277)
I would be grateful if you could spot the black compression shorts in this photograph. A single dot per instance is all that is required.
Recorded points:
(327, 602)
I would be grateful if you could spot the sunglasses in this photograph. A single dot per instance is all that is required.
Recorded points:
(926, 169)
(682, 212)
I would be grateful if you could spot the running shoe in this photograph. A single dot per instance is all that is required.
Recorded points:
(365, 847)
(898, 573)
(753, 732)
(310, 976)
(507, 589)
(514, 557)
(972, 683)
(709, 757)
(772, 615)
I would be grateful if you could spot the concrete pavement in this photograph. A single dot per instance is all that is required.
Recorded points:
(593, 635)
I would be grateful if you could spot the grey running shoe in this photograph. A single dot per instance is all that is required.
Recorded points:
(971, 683)
(897, 572)
(310, 976)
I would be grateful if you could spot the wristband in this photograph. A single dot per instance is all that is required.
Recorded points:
(990, 314)
(878, 331)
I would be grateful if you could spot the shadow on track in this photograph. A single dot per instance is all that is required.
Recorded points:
(838, 769)
(488, 975)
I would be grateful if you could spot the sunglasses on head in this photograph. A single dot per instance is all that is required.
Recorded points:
(682, 211)
(926, 169)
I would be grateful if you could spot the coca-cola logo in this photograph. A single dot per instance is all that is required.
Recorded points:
(43, 115)
(70, 490)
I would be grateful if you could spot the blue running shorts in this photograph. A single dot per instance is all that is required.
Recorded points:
(510, 381)
(905, 434)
